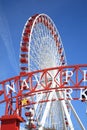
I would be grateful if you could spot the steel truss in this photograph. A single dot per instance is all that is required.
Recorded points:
(18, 91)
(41, 47)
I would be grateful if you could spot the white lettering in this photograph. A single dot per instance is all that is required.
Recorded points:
(53, 95)
(24, 85)
(81, 91)
(68, 75)
(11, 87)
(83, 94)
(85, 76)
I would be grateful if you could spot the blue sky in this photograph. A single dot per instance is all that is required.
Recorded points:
(70, 18)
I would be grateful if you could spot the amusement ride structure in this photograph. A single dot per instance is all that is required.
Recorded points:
(41, 94)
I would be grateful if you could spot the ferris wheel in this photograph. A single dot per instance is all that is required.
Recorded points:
(40, 48)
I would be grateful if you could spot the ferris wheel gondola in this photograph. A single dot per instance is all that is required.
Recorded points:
(40, 48)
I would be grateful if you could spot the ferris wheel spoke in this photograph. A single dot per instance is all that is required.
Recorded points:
(45, 50)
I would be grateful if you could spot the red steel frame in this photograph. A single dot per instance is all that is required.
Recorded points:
(15, 90)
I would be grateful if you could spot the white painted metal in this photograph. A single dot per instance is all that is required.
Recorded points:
(43, 53)
(76, 116)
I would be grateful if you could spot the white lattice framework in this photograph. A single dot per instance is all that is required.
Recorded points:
(41, 47)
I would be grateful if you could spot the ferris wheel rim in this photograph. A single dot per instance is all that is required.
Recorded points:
(47, 22)
(36, 21)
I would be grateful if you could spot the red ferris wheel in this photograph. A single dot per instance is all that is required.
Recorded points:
(46, 84)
